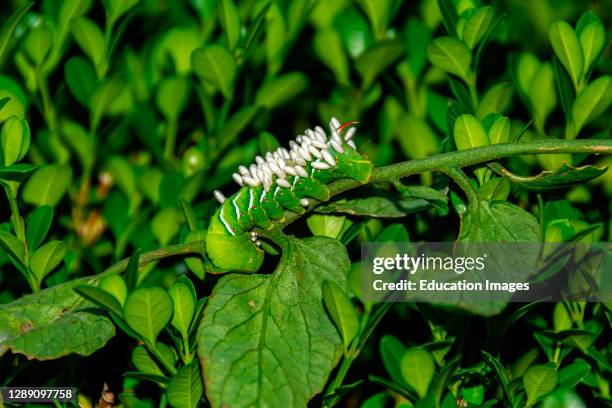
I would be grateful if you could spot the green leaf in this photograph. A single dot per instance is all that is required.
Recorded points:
(342, 312)
(390, 350)
(570, 376)
(116, 286)
(378, 12)
(267, 143)
(38, 225)
(542, 94)
(501, 374)
(477, 25)
(81, 79)
(418, 368)
(377, 207)
(38, 43)
(216, 67)
(326, 225)
(563, 399)
(500, 131)
(14, 140)
(90, 38)
(500, 222)
(526, 67)
(147, 311)
(417, 139)
(565, 43)
(172, 96)
(8, 26)
(100, 297)
(328, 47)
(374, 60)
(296, 346)
(166, 224)
(145, 362)
(452, 55)
(186, 388)
(59, 317)
(107, 92)
(496, 99)
(565, 89)
(183, 297)
(47, 185)
(592, 37)
(448, 11)
(230, 22)
(280, 90)
(539, 380)
(393, 233)
(469, 133)
(117, 8)
(12, 245)
(46, 258)
(563, 177)
(592, 101)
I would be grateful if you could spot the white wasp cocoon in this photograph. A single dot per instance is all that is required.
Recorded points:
(352, 144)
(283, 183)
(350, 133)
(259, 160)
(305, 154)
(319, 144)
(337, 146)
(315, 152)
(328, 158)
(219, 196)
(334, 123)
(320, 165)
(290, 170)
(251, 181)
(304, 202)
(238, 179)
(301, 171)
(243, 170)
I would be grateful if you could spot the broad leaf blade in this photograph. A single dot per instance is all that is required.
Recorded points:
(296, 345)
(56, 316)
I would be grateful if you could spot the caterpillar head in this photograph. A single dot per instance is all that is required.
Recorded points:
(347, 161)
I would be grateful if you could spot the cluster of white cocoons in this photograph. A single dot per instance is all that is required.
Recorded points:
(313, 147)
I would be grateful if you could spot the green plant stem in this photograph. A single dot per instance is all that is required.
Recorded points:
(16, 218)
(171, 131)
(196, 247)
(459, 177)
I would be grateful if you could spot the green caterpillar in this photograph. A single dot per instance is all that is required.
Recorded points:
(284, 180)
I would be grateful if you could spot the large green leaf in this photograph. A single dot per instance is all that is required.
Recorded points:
(8, 26)
(469, 133)
(265, 339)
(90, 38)
(215, 66)
(185, 389)
(14, 140)
(376, 58)
(418, 368)
(183, 297)
(230, 21)
(46, 258)
(567, 47)
(280, 89)
(452, 55)
(147, 311)
(539, 380)
(592, 101)
(592, 36)
(53, 323)
(47, 185)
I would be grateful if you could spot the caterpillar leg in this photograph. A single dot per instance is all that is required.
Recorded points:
(232, 248)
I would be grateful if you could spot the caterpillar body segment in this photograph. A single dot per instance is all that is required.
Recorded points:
(284, 180)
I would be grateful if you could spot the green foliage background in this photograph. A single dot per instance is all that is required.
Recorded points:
(119, 118)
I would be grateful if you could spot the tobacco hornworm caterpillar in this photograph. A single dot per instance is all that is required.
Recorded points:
(284, 180)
